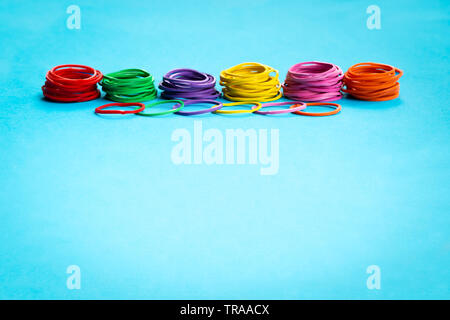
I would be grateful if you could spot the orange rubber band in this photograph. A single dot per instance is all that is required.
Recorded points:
(337, 108)
(372, 81)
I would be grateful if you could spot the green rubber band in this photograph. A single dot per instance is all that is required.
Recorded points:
(129, 85)
(173, 110)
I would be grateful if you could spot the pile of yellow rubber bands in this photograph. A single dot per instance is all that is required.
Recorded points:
(250, 81)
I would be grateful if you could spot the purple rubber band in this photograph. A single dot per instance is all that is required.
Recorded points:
(313, 81)
(301, 106)
(188, 84)
(191, 113)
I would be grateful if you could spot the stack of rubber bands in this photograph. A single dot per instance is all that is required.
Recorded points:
(248, 84)
(250, 81)
(72, 83)
(313, 81)
(188, 84)
(129, 85)
(372, 81)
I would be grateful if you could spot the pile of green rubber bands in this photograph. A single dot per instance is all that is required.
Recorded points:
(129, 85)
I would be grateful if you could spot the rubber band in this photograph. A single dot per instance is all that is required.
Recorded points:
(72, 83)
(295, 106)
(256, 107)
(139, 108)
(188, 84)
(372, 81)
(313, 81)
(250, 81)
(337, 108)
(129, 85)
(173, 110)
(217, 104)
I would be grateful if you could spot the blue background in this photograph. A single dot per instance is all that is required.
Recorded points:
(367, 186)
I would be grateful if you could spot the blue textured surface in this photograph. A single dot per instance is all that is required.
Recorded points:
(368, 186)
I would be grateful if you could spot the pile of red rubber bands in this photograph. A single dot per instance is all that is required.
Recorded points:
(72, 83)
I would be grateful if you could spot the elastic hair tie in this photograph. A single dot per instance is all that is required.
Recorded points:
(139, 108)
(256, 107)
(250, 81)
(129, 85)
(294, 106)
(173, 110)
(313, 81)
(72, 83)
(217, 106)
(337, 108)
(372, 81)
(188, 84)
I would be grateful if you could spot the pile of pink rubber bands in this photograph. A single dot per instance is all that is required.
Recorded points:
(313, 81)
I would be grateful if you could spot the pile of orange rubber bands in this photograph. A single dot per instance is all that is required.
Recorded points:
(372, 81)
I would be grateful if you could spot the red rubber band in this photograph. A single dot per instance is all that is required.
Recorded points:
(140, 108)
(72, 83)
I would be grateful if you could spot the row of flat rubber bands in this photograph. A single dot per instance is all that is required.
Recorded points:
(296, 107)
(129, 85)
(372, 81)
(313, 81)
(250, 81)
(72, 83)
(307, 81)
(188, 84)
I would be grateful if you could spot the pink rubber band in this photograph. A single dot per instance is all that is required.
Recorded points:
(300, 106)
(313, 81)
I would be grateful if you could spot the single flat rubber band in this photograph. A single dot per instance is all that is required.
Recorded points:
(139, 108)
(173, 110)
(337, 108)
(217, 106)
(294, 106)
(256, 107)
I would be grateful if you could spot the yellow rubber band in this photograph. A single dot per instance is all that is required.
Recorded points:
(250, 81)
(232, 104)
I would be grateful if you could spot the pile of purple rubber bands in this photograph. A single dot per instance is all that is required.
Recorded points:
(188, 84)
(313, 81)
